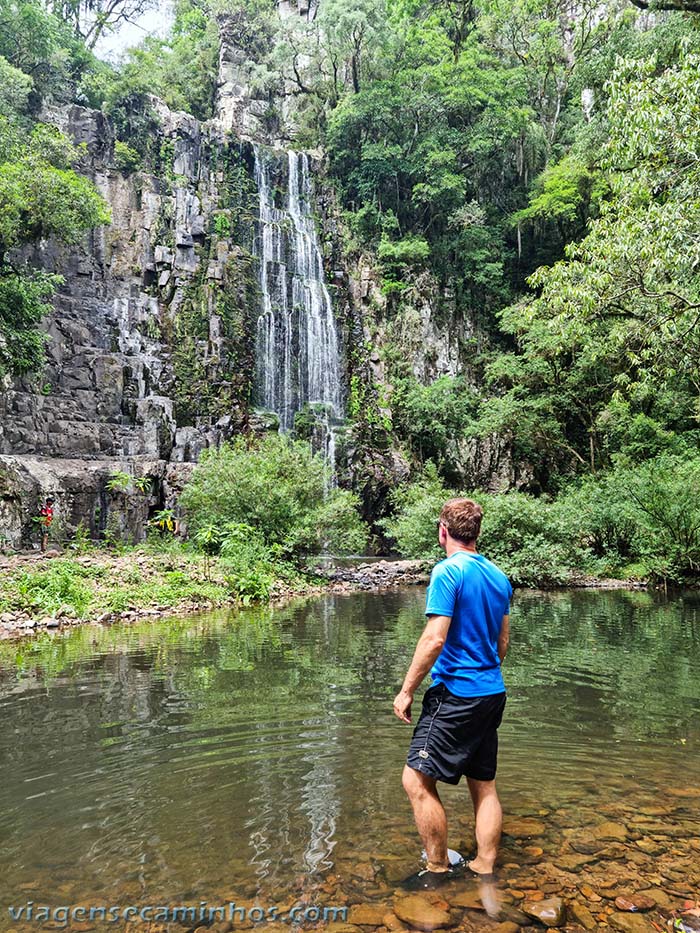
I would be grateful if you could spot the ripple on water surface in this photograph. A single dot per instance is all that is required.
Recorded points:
(257, 754)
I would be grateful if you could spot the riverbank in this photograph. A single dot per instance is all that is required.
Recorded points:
(51, 591)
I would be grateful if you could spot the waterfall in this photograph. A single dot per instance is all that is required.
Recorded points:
(297, 352)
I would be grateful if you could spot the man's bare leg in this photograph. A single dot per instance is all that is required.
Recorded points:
(429, 815)
(488, 824)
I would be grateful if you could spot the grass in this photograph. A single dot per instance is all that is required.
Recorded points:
(158, 575)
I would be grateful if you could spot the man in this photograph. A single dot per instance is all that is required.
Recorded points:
(463, 644)
(45, 519)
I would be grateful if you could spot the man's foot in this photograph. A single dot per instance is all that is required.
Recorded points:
(453, 857)
(426, 880)
(473, 867)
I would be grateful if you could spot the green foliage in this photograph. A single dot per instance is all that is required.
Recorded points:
(126, 159)
(247, 562)
(15, 88)
(641, 520)
(417, 507)
(434, 419)
(144, 484)
(82, 539)
(119, 481)
(40, 196)
(43, 46)
(24, 301)
(222, 225)
(278, 487)
(163, 520)
(529, 539)
(395, 258)
(665, 496)
(57, 587)
(526, 537)
(561, 201)
(181, 69)
(608, 342)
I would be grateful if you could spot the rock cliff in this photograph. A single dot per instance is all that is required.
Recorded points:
(150, 352)
(152, 341)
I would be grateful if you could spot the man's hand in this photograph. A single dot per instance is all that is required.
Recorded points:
(402, 706)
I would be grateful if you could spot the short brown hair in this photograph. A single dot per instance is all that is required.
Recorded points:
(462, 518)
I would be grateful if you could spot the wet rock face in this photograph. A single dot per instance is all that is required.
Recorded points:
(114, 384)
(82, 496)
(142, 359)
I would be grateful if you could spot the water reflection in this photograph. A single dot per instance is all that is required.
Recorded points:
(242, 754)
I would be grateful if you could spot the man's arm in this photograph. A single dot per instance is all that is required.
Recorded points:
(504, 638)
(429, 646)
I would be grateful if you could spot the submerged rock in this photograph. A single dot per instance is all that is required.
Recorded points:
(573, 861)
(391, 921)
(630, 923)
(650, 846)
(551, 911)
(418, 913)
(523, 828)
(615, 832)
(580, 914)
(367, 915)
(471, 900)
(634, 902)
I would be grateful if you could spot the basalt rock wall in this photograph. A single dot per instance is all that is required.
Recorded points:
(143, 371)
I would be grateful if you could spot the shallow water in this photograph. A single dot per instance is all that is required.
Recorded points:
(255, 755)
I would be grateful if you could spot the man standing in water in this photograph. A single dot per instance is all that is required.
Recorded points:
(463, 644)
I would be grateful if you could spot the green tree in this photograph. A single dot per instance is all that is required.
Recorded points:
(15, 88)
(613, 327)
(91, 19)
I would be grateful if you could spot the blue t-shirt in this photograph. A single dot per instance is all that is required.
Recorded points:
(476, 594)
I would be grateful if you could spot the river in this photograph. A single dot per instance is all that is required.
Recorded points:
(255, 755)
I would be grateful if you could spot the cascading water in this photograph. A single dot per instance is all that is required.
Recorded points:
(297, 353)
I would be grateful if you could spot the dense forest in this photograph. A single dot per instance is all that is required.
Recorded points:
(531, 168)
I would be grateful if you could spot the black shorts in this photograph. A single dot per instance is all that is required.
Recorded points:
(456, 735)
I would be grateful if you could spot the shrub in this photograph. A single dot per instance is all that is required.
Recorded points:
(637, 521)
(60, 586)
(126, 159)
(417, 507)
(278, 487)
(601, 515)
(222, 226)
(527, 537)
(665, 499)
